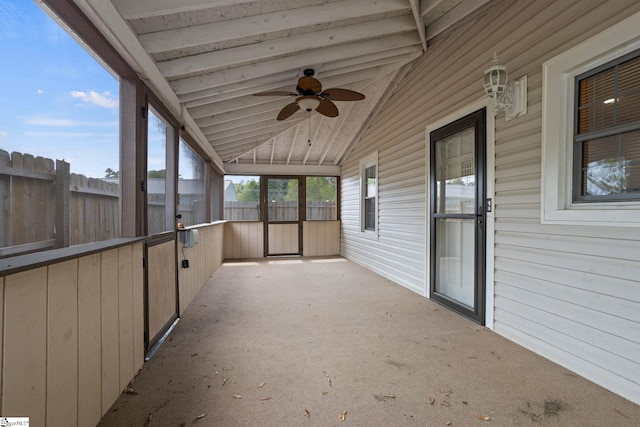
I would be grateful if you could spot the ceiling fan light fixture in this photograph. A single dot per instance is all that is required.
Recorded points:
(308, 103)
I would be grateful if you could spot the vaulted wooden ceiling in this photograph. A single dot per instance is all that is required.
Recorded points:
(206, 59)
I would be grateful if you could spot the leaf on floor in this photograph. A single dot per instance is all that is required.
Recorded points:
(148, 421)
(224, 381)
(343, 416)
(200, 416)
(194, 354)
(448, 422)
(130, 390)
(265, 398)
(324, 374)
(307, 413)
(432, 400)
(445, 403)
(483, 417)
(390, 395)
(329, 381)
(237, 396)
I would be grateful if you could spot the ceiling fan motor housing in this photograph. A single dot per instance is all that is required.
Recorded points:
(309, 86)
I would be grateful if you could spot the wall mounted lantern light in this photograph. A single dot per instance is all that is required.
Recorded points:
(506, 96)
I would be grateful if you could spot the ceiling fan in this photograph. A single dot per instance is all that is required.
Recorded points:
(310, 96)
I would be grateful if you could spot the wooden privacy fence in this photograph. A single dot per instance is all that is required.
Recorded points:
(44, 206)
(279, 211)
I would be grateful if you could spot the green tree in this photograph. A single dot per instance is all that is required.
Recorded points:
(292, 190)
(278, 189)
(321, 188)
(157, 174)
(249, 192)
(110, 173)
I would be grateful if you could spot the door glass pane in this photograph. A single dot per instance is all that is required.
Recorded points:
(455, 174)
(282, 199)
(157, 134)
(455, 259)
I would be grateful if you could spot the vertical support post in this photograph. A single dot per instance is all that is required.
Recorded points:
(62, 204)
(132, 165)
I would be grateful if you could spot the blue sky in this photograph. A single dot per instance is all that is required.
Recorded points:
(57, 101)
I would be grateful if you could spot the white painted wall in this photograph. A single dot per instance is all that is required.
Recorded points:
(569, 293)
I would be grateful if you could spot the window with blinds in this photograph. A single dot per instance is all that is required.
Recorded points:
(607, 132)
(371, 192)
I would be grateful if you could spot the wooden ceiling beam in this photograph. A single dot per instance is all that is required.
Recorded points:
(248, 72)
(140, 9)
(249, 54)
(255, 28)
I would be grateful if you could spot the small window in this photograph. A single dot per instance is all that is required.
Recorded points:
(369, 193)
(591, 130)
(607, 132)
(241, 198)
(321, 193)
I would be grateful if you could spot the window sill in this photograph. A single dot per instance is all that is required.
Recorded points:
(597, 215)
(368, 234)
(20, 263)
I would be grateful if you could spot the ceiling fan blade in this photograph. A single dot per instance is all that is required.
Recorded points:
(276, 93)
(288, 110)
(337, 94)
(327, 108)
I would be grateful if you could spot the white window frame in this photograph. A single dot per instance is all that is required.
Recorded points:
(558, 80)
(365, 163)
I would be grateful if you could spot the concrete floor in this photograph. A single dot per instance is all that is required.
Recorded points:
(300, 342)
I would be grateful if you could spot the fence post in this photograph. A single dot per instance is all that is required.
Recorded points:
(62, 203)
(5, 202)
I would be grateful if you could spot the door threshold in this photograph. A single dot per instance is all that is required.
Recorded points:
(158, 343)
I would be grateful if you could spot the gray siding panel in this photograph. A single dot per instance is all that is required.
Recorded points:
(570, 293)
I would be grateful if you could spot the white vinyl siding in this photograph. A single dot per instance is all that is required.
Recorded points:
(570, 293)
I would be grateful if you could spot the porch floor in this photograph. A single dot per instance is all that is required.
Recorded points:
(299, 341)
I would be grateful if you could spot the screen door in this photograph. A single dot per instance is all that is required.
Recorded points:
(457, 215)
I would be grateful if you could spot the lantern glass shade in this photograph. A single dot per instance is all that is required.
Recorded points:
(308, 103)
(495, 80)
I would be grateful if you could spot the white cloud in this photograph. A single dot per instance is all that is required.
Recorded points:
(48, 121)
(4, 134)
(104, 99)
(39, 91)
(53, 122)
(63, 134)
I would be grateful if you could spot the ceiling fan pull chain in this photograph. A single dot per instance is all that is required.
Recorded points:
(309, 127)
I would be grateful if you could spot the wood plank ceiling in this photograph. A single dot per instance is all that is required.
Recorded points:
(206, 59)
